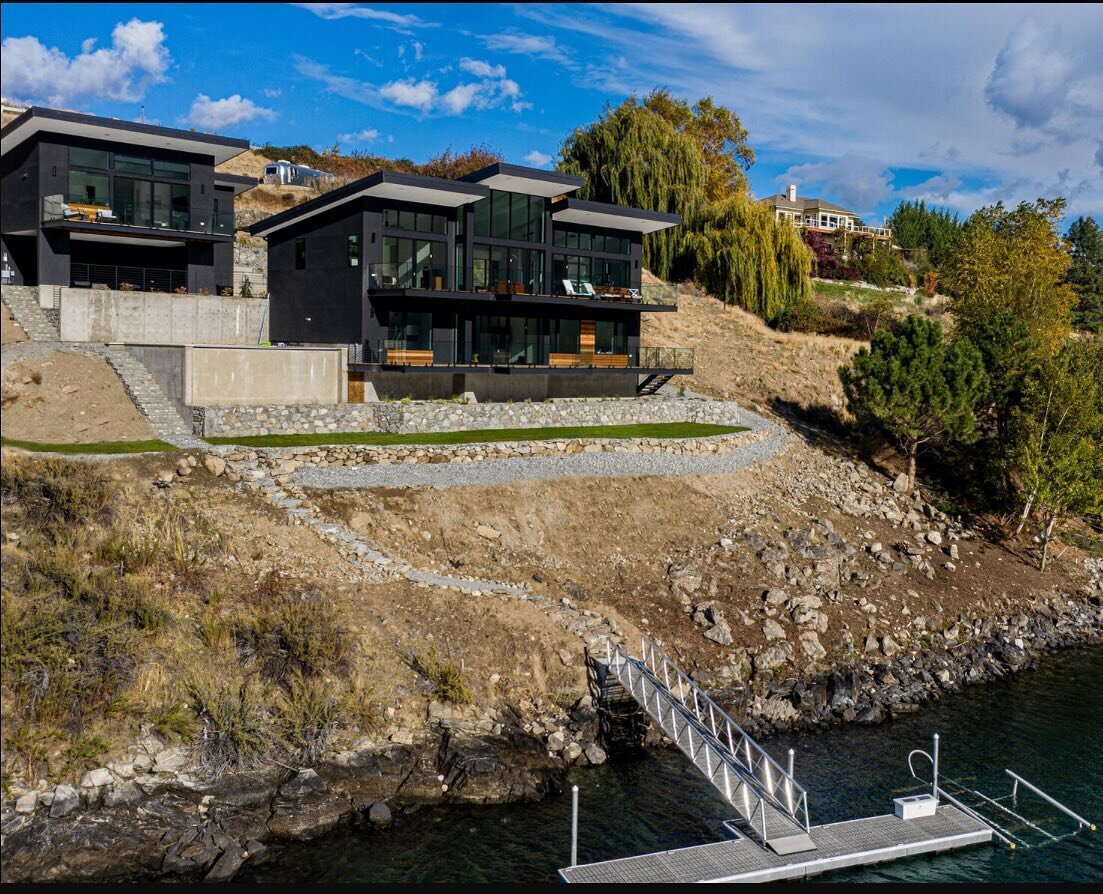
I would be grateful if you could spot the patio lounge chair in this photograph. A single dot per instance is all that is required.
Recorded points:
(70, 213)
(587, 289)
(568, 288)
(106, 215)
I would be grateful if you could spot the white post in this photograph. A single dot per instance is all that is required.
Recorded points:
(934, 783)
(574, 825)
(791, 755)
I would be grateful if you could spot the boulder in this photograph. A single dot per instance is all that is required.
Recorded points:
(97, 778)
(773, 630)
(66, 800)
(889, 646)
(810, 643)
(487, 532)
(170, 760)
(900, 485)
(595, 754)
(557, 741)
(379, 815)
(720, 633)
(776, 597)
(303, 783)
(27, 803)
(216, 465)
(227, 865)
(934, 537)
(572, 752)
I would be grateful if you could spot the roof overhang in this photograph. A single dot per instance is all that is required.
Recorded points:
(531, 181)
(125, 240)
(36, 120)
(612, 217)
(237, 182)
(392, 185)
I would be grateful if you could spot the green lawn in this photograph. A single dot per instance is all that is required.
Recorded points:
(483, 436)
(842, 291)
(101, 447)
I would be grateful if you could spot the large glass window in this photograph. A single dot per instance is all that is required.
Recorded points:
(519, 217)
(482, 217)
(523, 268)
(171, 170)
(499, 214)
(413, 263)
(133, 201)
(353, 251)
(606, 243)
(610, 337)
(88, 158)
(88, 188)
(132, 164)
(503, 340)
(410, 330)
(536, 218)
(417, 221)
(563, 336)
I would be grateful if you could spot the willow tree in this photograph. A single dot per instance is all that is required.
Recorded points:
(633, 156)
(743, 257)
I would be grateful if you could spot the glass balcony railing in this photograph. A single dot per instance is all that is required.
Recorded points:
(82, 209)
(403, 276)
(500, 351)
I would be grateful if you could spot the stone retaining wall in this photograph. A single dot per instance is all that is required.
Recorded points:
(286, 460)
(436, 416)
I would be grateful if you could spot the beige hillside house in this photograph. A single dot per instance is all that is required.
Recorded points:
(819, 215)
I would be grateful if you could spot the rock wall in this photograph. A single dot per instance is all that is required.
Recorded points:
(436, 416)
(286, 460)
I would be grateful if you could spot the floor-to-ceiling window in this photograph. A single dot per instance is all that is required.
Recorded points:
(413, 263)
(502, 340)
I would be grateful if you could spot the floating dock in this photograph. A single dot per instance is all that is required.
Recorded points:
(860, 842)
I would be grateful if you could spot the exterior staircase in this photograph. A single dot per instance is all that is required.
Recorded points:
(144, 391)
(653, 383)
(22, 302)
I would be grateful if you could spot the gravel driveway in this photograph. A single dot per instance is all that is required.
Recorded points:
(575, 465)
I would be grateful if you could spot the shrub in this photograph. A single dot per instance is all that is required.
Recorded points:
(445, 676)
(127, 287)
(55, 492)
(181, 290)
(930, 283)
(308, 715)
(246, 287)
(235, 729)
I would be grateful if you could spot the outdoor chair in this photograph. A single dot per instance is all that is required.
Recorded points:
(70, 213)
(587, 289)
(106, 215)
(568, 288)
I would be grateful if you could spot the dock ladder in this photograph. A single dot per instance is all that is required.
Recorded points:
(771, 804)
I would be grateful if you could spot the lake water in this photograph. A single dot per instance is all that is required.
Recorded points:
(1047, 725)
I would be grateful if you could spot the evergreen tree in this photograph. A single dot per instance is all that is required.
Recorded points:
(936, 230)
(1085, 241)
(1014, 261)
(1060, 438)
(915, 388)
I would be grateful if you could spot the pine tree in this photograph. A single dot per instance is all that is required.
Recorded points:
(915, 388)
(1085, 242)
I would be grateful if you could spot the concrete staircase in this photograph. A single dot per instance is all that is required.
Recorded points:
(144, 391)
(22, 302)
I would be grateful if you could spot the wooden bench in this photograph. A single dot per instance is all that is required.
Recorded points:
(610, 361)
(407, 357)
(564, 361)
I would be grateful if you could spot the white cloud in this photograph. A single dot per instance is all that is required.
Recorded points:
(136, 59)
(538, 159)
(937, 189)
(218, 114)
(426, 96)
(361, 136)
(420, 95)
(397, 21)
(533, 45)
(1032, 76)
(482, 69)
(858, 184)
(271, 92)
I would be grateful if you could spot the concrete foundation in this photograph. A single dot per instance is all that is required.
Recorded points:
(486, 386)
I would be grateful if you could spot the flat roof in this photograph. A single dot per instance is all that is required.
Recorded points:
(532, 181)
(384, 185)
(238, 182)
(613, 217)
(37, 119)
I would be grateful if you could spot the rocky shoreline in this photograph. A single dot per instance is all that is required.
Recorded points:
(150, 818)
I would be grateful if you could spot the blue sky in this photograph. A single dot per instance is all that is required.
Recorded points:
(862, 105)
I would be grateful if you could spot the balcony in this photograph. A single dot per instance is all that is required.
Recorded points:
(436, 279)
(82, 212)
(831, 223)
(501, 356)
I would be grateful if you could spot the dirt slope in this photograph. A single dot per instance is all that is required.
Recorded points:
(69, 399)
(738, 356)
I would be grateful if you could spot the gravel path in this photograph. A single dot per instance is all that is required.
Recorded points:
(576, 465)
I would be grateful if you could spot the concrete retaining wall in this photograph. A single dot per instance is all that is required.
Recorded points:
(158, 318)
(241, 378)
(166, 364)
(437, 416)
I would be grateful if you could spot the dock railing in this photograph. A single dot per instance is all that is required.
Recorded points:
(752, 781)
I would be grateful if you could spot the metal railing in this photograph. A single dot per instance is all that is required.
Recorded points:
(82, 210)
(137, 279)
(823, 224)
(766, 796)
(664, 358)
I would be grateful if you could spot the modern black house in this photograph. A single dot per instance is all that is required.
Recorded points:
(499, 283)
(91, 201)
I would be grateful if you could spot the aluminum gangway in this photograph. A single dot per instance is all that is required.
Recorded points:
(772, 805)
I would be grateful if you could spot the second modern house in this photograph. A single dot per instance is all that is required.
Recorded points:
(99, 202)
(501, 284)
(819, 215)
